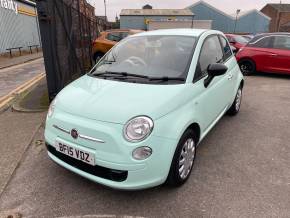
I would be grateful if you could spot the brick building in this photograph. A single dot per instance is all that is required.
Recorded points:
(280, 14)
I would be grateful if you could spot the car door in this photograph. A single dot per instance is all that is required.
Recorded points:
(233, 69)
(281, 54)
(260, 50)
(214, 99)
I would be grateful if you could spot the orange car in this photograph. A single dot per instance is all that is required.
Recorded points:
(108, 39)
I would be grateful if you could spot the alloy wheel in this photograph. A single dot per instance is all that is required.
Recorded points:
(238, 100)
(186, 158)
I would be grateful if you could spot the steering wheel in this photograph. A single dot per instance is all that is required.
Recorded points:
(135, 61)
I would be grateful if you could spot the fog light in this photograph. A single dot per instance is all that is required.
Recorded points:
(142, 153)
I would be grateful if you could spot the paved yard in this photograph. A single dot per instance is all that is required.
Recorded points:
(12, 77)
(242, 170)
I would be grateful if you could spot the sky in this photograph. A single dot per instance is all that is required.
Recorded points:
(114, 7)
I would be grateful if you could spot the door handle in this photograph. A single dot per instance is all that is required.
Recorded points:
(230, 77)
(273, 55)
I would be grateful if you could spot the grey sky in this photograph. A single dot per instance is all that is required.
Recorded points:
(229, 6)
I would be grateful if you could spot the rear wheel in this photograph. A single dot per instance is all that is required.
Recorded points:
(183, 159)
(247, 66)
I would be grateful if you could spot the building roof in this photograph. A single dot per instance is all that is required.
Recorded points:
(156, 12)
(231, 16)
(281, 7)
(245, 13)
(210, 6)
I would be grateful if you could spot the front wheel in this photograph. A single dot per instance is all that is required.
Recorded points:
(248, 67)
(98, 56)
(235, 108)
(183, 159)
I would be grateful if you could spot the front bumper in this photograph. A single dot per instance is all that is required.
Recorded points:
(115, 166)
(148, 175)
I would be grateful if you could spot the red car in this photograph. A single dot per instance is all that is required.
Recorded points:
(237, 41)
(269, 52)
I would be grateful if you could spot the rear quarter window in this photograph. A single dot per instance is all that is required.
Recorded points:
(281, 42)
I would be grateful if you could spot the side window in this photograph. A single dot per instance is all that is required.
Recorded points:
(114, 37)
(281, 42)
(262, 42)
(226, 48)
(211, 52)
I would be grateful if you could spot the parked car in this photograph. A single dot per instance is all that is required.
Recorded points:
(269, 52)
(108, 39)
(144, 108)
(237, 41)
(248, 37)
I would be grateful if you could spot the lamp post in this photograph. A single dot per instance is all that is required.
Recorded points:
(105, 3)
(237, 14)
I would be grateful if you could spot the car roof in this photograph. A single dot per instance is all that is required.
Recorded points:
(273, 34)
(177, 32)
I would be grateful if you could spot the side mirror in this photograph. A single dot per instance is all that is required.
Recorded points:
(214, 70)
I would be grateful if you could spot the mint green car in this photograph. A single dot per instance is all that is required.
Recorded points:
(136, 119)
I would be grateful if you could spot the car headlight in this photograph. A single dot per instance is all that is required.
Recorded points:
(51, 108)
(138, 128)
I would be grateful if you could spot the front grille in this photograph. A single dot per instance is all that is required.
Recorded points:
(106, 173)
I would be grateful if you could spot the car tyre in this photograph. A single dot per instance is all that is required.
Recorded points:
(98, 56)
(183, 159)
(247, 66)
(235, 107)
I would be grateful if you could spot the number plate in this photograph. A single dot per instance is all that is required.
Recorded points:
(75, 153)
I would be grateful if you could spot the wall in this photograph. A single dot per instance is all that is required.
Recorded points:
(18, 30)
(273, 13)
(285, 22)
(156, 25)
(140, 22)
(253, 23)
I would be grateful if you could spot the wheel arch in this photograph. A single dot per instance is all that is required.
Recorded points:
(247, 58)
(196, 128)
(242, 83)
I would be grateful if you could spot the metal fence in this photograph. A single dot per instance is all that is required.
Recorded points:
(67, 30)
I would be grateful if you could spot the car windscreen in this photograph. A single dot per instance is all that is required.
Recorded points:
(148, 59)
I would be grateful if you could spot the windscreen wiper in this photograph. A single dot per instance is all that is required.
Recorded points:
(120, 74)
(125, 75)
(166, 78)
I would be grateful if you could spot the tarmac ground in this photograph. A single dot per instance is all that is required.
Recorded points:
(242, 168)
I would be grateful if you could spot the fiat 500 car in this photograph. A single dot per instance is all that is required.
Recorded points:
(135, 120)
